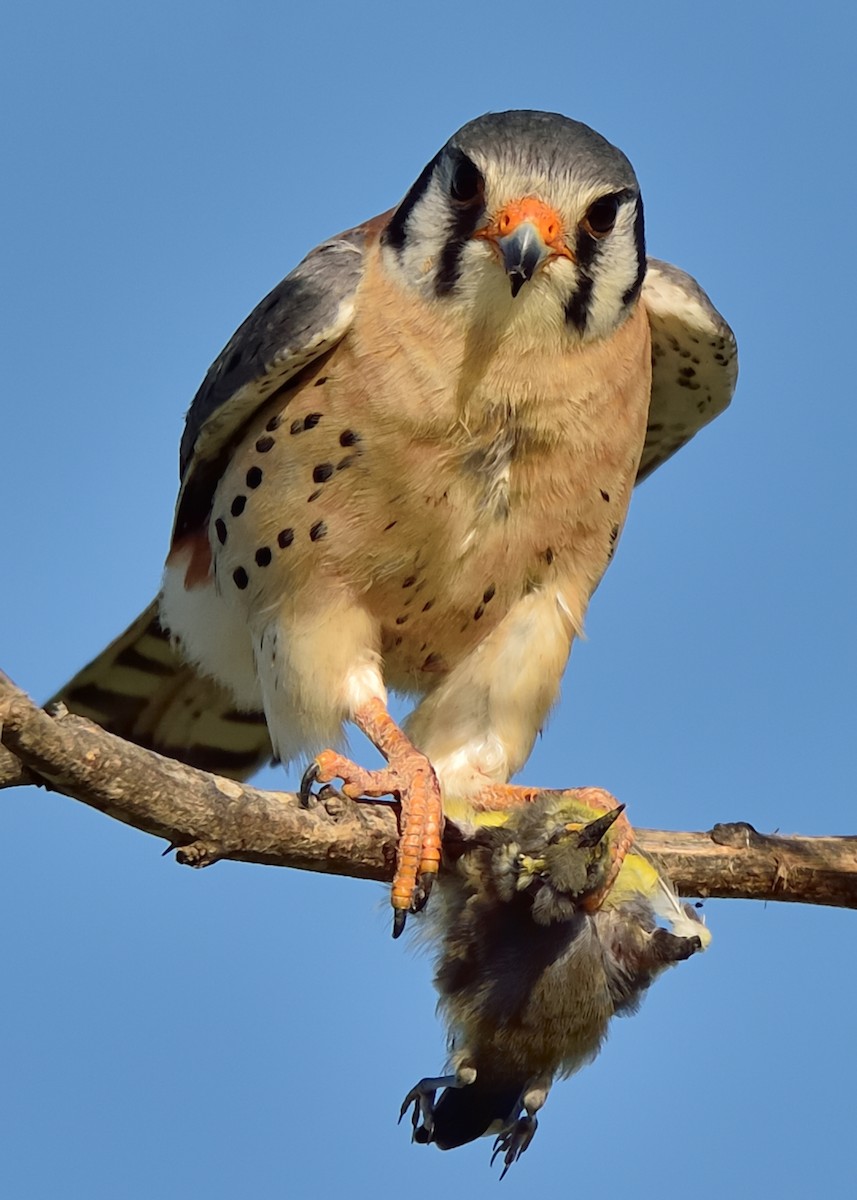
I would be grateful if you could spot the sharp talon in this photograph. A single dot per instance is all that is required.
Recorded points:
(399, 918)
(305, 792)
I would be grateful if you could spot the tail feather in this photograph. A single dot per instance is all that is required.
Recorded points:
(140, 689)
(465, 1113)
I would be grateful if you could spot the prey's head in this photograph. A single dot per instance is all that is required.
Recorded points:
(524, 208)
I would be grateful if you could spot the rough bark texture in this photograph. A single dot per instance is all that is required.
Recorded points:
(206, 818)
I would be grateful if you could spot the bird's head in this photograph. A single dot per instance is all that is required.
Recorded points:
(524, 211)
(570, 871)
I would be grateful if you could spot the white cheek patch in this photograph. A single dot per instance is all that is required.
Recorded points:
(615, 271)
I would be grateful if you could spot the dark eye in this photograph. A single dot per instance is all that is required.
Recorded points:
(467, 183)
(601, 216)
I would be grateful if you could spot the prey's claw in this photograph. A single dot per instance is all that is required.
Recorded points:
(421, 1096)
(425, 883)
(513, 1142)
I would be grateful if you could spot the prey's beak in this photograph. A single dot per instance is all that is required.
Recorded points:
(592, 833)
(527, 234)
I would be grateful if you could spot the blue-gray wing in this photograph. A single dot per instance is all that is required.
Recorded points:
(300, 320)
(694, 362)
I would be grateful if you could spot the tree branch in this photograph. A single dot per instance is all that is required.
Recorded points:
(206, 818)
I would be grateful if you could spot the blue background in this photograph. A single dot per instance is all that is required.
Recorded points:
(250, 1032)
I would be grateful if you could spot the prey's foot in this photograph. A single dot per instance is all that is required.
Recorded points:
(410, 778)
(422, 1097)
(512, 1142)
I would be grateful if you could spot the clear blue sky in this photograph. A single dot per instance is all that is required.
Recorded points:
(246, 1031)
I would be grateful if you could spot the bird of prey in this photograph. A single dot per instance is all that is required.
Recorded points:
(549, 924)
(408, 470)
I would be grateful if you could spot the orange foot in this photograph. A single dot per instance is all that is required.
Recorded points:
(595, 801)
(410, 778)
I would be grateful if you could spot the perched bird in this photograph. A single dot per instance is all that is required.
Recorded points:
(548, 927)
(409, 469)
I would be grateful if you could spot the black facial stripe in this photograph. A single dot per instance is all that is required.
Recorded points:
(586, 250)
(577, 308)
(586, 253)
(640, 241)
(449, 266)
(394, 234)
(465, 219)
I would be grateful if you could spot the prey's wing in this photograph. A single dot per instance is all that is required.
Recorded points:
(299, 321)
(694, 362)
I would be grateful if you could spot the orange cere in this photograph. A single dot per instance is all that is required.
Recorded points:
(546, 220)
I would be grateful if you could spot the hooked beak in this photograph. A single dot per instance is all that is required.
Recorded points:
(523, 252)
(527, 233)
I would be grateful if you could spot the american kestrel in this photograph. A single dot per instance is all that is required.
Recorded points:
(409, 469)
(540, 946)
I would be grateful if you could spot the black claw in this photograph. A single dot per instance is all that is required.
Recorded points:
(305, 792)
(399, 918)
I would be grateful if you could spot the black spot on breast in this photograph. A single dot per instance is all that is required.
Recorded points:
(313, 496)
(254, 477)
(434, 662)
(322, 472)
(488, 594)
(345, 462)
(605, 495)
(263, 556)
(390, 526)
(296, 426)
(320, 381)
(548, 556)
(687, 372)
(241, 578)
(285, 538)
(318, 531)
(311, 420)
(220, 530)
(479, 611)
(428, 604)
(274, 422)
(409, 582)
(264, 444)
(402, 619)
(349, 438)
(238, 505)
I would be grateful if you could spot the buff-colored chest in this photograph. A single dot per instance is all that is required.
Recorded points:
(437, 474)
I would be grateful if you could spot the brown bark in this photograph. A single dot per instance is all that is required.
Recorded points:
(206, 818)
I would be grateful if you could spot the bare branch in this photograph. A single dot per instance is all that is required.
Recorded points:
(206, 818)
